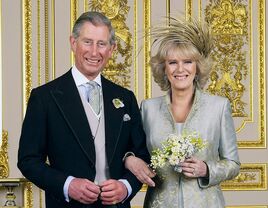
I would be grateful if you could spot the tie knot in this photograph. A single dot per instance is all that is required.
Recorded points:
(92, 85)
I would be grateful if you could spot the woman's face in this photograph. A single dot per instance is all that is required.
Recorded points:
(180, 72)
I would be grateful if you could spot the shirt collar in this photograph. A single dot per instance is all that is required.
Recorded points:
(81, 79)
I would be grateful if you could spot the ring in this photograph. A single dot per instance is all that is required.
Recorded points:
(114, 202)
(194, 172)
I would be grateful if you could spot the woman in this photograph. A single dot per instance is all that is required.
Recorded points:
(181, 67)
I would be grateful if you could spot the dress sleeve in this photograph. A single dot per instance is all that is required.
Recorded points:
(228, 165)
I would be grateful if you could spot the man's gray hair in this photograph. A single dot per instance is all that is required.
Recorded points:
(96, 18)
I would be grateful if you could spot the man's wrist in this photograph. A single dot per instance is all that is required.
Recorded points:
(128, 187)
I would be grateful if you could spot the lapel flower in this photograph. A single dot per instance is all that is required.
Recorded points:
(118, 103)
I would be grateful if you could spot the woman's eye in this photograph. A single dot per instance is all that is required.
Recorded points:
(172, 62)
(188, 61)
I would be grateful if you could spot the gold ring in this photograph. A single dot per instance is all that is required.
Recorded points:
(114, 202)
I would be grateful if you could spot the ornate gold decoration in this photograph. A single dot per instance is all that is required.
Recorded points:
(116, 11)
(4, 168)
(147, 49)
(38, 44)
(168, 11)
(228, 21)
(251, 177)
(27, 69)
(188, 9)
(74, 10)
(27, 52)
(46, 43)
(135, 64)
(262, 86)
(28, 195)
(53, 38)
(86, 5)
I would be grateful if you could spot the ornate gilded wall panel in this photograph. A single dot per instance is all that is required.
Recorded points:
(4, 167)
(235, 73)
(27, 71)
(27, 51)
(118, 68)
(251, 177)
(228, 22)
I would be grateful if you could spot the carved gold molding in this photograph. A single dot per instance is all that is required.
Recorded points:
(135, 40)
(53, 38)
(147, 49)
(4, 168)
(228, 22)
(46, 42)
(188, 8)
(28, 195)
(227, 79)
(27, 74)
(27, 51)
(73, 12)
(117, 11)
(261, 143)
(251, 177)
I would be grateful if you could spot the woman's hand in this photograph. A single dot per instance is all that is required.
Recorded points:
(140, 169)
(194, 168)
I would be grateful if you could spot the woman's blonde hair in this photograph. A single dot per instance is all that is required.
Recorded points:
(189, 39)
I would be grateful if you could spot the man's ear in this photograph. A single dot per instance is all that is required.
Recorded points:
(72, 43)
(114, 47)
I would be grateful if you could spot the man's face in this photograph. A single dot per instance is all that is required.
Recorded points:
(92, 49)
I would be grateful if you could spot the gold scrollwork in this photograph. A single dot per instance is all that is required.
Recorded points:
(228, 22)
(117, 11)
(4, 168)
(28, 195)
(251, 177)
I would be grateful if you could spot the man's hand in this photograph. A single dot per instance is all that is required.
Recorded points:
(83, 190)
(140, 169)
(113, 192)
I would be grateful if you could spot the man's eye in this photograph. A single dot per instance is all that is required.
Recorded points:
(88, 42)
(102, 44)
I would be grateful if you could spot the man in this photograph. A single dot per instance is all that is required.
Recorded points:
(84, 142)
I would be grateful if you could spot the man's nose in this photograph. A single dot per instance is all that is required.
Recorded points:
(94, 49)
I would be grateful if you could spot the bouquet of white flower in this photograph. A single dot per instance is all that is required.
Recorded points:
(175, 149)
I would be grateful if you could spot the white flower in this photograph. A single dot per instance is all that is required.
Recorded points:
(175, 149)
(118, 103)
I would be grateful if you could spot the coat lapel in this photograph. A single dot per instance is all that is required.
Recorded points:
(69, 102)
(113, 118)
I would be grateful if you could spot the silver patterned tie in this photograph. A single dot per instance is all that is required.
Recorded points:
(94, 96)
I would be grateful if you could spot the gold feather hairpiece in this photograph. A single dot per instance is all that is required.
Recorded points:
(186, 32)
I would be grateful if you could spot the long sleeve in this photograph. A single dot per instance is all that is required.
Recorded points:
(227, 166)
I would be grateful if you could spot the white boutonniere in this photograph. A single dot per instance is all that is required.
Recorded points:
(118, 103)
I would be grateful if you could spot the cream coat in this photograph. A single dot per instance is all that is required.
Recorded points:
(211, 117)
